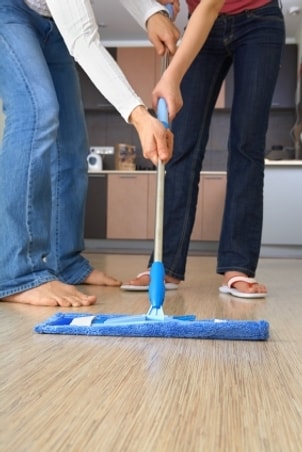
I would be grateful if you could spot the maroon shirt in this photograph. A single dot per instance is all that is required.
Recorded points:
(232, 6)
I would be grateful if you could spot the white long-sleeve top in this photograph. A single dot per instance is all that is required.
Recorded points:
(77, 24)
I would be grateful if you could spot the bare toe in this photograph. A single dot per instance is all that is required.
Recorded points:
(98, 278)
(143, 279)
(53, 293)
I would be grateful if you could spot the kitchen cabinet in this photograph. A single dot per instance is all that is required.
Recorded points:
(96, 207)
(121, 205)
(141, 65)
(282, 216)
(210, 207)
(131, 206)
(285, 90)
(129, 215)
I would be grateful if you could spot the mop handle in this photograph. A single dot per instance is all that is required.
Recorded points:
(162, 115)
(169, 8)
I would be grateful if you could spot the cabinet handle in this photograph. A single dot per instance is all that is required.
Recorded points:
(97, 176)
(127, 176)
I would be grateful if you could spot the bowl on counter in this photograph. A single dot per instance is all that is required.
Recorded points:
(281, 153)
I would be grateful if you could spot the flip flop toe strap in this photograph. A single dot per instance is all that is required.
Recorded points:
(245, 279)
(140, 275)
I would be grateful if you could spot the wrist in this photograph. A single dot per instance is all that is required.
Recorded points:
(162, 12)
(138, 114)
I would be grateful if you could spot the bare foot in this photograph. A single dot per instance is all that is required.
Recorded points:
(143, 279)
(53, 293)
(244, 286)
(98, 278)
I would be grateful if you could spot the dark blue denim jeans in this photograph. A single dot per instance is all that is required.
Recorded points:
(252, 42)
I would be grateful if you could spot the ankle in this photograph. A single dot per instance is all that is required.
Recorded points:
(231, 274)
(171, 279)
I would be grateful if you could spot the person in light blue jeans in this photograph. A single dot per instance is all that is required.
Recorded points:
(43, 167)
(250, 41)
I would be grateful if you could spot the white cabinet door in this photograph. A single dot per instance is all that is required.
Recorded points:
(282, 220)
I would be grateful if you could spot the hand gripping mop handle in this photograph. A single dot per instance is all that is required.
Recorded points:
(157, 271)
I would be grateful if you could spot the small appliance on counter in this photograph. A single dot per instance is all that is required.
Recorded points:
(125, 157)
(95, 160)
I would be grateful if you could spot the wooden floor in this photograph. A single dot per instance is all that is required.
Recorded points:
(90, 394)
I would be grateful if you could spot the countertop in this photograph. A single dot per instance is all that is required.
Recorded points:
(268, 163)
(141, 172)
(283, 162)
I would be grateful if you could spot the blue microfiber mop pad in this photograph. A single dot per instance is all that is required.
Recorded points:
(178, 326)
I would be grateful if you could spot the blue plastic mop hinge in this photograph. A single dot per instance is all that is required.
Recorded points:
(157, 285)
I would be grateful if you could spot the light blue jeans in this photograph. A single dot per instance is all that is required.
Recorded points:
(43, 168)
(252, 42)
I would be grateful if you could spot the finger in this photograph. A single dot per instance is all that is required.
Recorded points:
(170, 143)
(159, 46)
(152, 154)
(173, 109)
(165, 147)
(171, 45)
(154, 158)
(170, 140)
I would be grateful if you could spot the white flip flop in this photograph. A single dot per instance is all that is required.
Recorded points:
(135, 288)
(229, 290)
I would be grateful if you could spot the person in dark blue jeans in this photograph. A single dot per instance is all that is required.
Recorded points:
(251, 41)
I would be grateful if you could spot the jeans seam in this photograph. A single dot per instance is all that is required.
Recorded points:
(28, 204)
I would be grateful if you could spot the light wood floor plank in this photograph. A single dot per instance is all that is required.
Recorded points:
(69, 393)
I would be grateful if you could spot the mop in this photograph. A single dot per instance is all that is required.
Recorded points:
(155, 323)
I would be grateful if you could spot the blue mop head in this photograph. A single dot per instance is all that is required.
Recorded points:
(181, 327)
